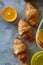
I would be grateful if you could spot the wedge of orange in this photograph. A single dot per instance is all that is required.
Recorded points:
(9, 13)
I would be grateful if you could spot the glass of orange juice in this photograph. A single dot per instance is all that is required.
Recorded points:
(39, 35)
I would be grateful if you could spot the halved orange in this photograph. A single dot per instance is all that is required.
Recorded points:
(9, 13)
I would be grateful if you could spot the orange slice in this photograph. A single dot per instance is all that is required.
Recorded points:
(9, 14)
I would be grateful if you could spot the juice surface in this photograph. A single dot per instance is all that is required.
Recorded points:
(40, 34)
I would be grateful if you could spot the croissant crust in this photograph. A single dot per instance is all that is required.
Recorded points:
(32, 14)
(19, 48)
(25, 30)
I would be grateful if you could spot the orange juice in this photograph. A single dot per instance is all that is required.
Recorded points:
(39, 37)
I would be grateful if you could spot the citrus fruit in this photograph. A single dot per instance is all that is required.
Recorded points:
(37, 58)
(9, 14)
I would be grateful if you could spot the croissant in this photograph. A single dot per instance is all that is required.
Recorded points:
(25, 30)
(32, 14)
(19, 49)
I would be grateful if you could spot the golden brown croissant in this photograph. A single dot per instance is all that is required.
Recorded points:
(25, 30)
(32, 15)
(19, 49)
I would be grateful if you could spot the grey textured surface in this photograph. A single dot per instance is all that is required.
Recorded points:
(9, 30)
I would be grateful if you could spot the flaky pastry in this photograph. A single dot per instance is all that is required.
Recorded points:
(25, 30)
(32, 14)
(19, 49)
